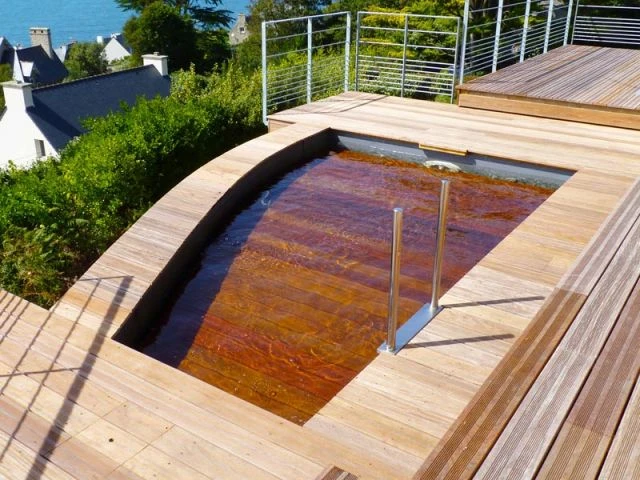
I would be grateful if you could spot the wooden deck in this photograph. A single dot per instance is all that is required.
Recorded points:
(77, 404)
(576, 82)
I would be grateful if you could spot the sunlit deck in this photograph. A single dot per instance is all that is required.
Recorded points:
(77, 404)
(576, 82)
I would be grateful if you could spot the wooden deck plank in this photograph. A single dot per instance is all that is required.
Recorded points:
(623, 459)
(585, 436)
(152, 403)
(544, 408)
(575, 82)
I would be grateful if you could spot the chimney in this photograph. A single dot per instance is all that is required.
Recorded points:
(41, 36)
(158, 61)
(17, 95)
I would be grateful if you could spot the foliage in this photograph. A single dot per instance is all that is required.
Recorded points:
(167, 29)
(5, 75)
(161, 28)
(85, 59)
(57, 217)
(204, 12)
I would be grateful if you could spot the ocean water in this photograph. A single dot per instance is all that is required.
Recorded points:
(69, 20)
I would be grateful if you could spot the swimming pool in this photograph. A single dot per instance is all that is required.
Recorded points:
(288, 303)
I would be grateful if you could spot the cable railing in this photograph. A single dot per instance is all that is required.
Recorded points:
(303, 59)
(406, 54)
(616, 26)
(308, 58)
(510, 32)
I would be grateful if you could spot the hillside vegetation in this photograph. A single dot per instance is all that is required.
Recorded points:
(57, 217)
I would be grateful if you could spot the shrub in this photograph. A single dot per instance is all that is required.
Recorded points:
(57, 217)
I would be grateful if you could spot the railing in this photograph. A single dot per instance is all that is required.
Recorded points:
(398, 338)
(510, 32)
(406, 54)
(607, 25)
(304, 58)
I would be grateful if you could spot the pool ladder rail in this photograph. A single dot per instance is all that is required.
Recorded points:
(397, 338)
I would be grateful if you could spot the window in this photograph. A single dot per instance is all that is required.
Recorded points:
(40, 148)
(241, 29)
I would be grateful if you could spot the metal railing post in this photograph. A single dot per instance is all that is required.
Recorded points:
(347, 53)
(525, 31)
(567, 25)
(396, 247)
(575, 19)
(463, 49)
(357, 73)
(309, 57)
(547, 32)
(264, 72)
(440, 237)
(496, 41)
(404, 53)
(455, 61)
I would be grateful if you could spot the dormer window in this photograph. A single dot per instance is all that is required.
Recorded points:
(39, 148)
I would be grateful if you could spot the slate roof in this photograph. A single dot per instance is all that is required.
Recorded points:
(47, 70)
(59, 110)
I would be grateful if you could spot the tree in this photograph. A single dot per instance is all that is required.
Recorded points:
(85, 59)
(162, 28)
(204, 12)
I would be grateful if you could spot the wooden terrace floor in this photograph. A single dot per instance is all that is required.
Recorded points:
(76, 404)
(576, 82)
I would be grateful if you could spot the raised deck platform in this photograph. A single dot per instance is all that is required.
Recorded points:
(76, 404)
(577, 82)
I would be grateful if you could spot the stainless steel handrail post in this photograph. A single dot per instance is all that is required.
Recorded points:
(440, 237)
(263, 29)
(396, 247)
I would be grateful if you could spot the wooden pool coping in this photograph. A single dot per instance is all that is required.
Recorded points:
(78, 403)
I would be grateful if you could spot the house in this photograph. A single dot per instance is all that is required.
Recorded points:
(116, 48)
(36, 64)
(63, 50)
(239, 32)
(39, 122)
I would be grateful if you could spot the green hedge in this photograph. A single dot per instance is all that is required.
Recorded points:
(57, 217)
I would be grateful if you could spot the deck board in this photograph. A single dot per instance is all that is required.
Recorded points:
(399, 405)
(575, 82)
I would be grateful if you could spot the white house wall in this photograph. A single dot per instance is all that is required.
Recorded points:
(114, 50)
(17, 139)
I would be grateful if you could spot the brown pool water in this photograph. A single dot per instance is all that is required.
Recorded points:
(289, 303)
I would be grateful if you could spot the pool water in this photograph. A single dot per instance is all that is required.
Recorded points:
(289, 302)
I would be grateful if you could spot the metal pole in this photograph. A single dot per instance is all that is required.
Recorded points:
(357, 50)
(347, 53)
(575, 19)
(455, 61)
(463, 50)
(525, 31)
(309, 57)
(567, 25)
(440, 237)
(496, 41)
(404, 53)
(264, 73)
(396, 247)
(547, 32)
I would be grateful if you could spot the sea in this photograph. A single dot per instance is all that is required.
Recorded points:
(69, 20)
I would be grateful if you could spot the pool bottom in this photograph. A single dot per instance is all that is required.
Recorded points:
(289, 302)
